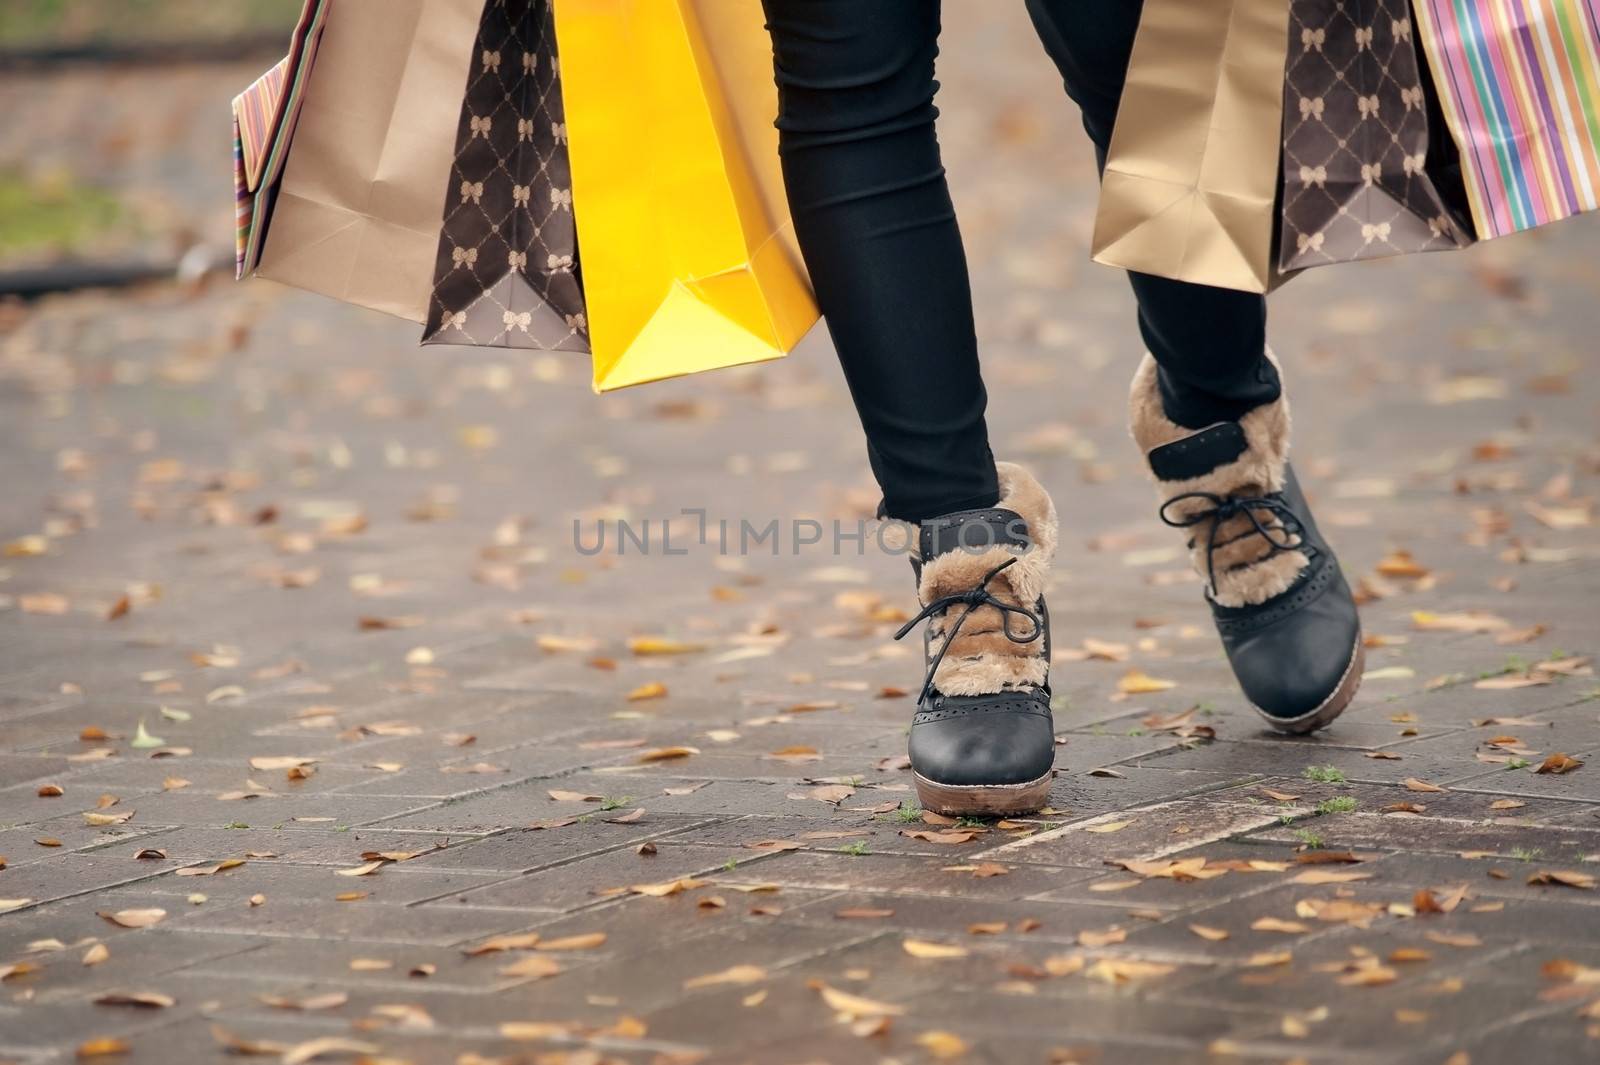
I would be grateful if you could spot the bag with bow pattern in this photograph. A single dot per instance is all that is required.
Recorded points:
(506, 274)
(1369, 169)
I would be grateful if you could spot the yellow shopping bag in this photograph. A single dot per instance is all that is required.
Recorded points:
(688, 257)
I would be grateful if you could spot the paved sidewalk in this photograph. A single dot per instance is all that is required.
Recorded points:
(320, 738)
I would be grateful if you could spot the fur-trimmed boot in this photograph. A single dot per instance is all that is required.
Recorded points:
(982, 741)
(1282, 607)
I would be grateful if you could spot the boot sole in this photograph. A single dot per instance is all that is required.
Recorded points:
(1332, 706)
(983, 800)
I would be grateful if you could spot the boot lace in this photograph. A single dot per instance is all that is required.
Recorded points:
(973, 598)
(1223, 508)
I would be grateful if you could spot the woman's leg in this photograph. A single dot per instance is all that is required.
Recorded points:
(874, 220)
(1209, 343)
(1207, 409)
(873, 214)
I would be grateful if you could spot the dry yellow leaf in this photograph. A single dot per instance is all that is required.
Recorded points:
(1138, 682)
(135, 918)
(942, 1045)
(855, 1005)
(662, 645)
(667, 754)
(100, 1048)
(1329, 876)
(919, 948)
(737, 974)
(583, 941)
(514, 941)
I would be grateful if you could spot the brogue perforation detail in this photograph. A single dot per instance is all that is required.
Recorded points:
(1312, 586)
(1000, 703)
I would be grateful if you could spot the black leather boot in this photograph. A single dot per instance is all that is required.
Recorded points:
(1281, 604)
(982, 742)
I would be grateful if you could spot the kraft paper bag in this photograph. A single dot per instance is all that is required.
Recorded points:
(688, 257)
(1191, 178)
(358, 210)
(506, 272)
(1368, 167)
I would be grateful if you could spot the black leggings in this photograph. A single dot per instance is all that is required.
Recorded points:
(873, 216)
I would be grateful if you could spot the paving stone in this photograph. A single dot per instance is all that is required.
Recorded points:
(954, 876)
(520, 850)
(441, 926)
(1439, 835)
(1145, 832)
(577, 883)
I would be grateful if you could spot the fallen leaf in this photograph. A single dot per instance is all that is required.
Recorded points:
(671, 887)
(1093, 939)
(326, 1046)
(942, 1045)
(1400, 565)
(667, 754)
(328, 1000)
(1329, 876)
(144, 999)
(143, 740)
(494, 944)
(950, 837)
(282, 762)
(1567, 877)
(583, 941)
(145, 918)
(661, 645)
(737, 974)
(1559, 763)
(855, 1005)
(101, 1048)
(1205, 932)
(1137, 682)
(1126, 970)
(363, 870)
(918, 948)
(210, 870)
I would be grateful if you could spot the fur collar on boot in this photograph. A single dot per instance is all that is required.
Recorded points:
(1248, 569)
(982, 659)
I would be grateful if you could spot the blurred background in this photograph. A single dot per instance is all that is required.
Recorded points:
(97, 166)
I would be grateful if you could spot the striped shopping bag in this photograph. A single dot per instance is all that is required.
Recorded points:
(1519, 81)
(264, 117)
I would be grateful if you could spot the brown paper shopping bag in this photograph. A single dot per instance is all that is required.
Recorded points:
(1369, 169)
(1191, 178)
(358, 212)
